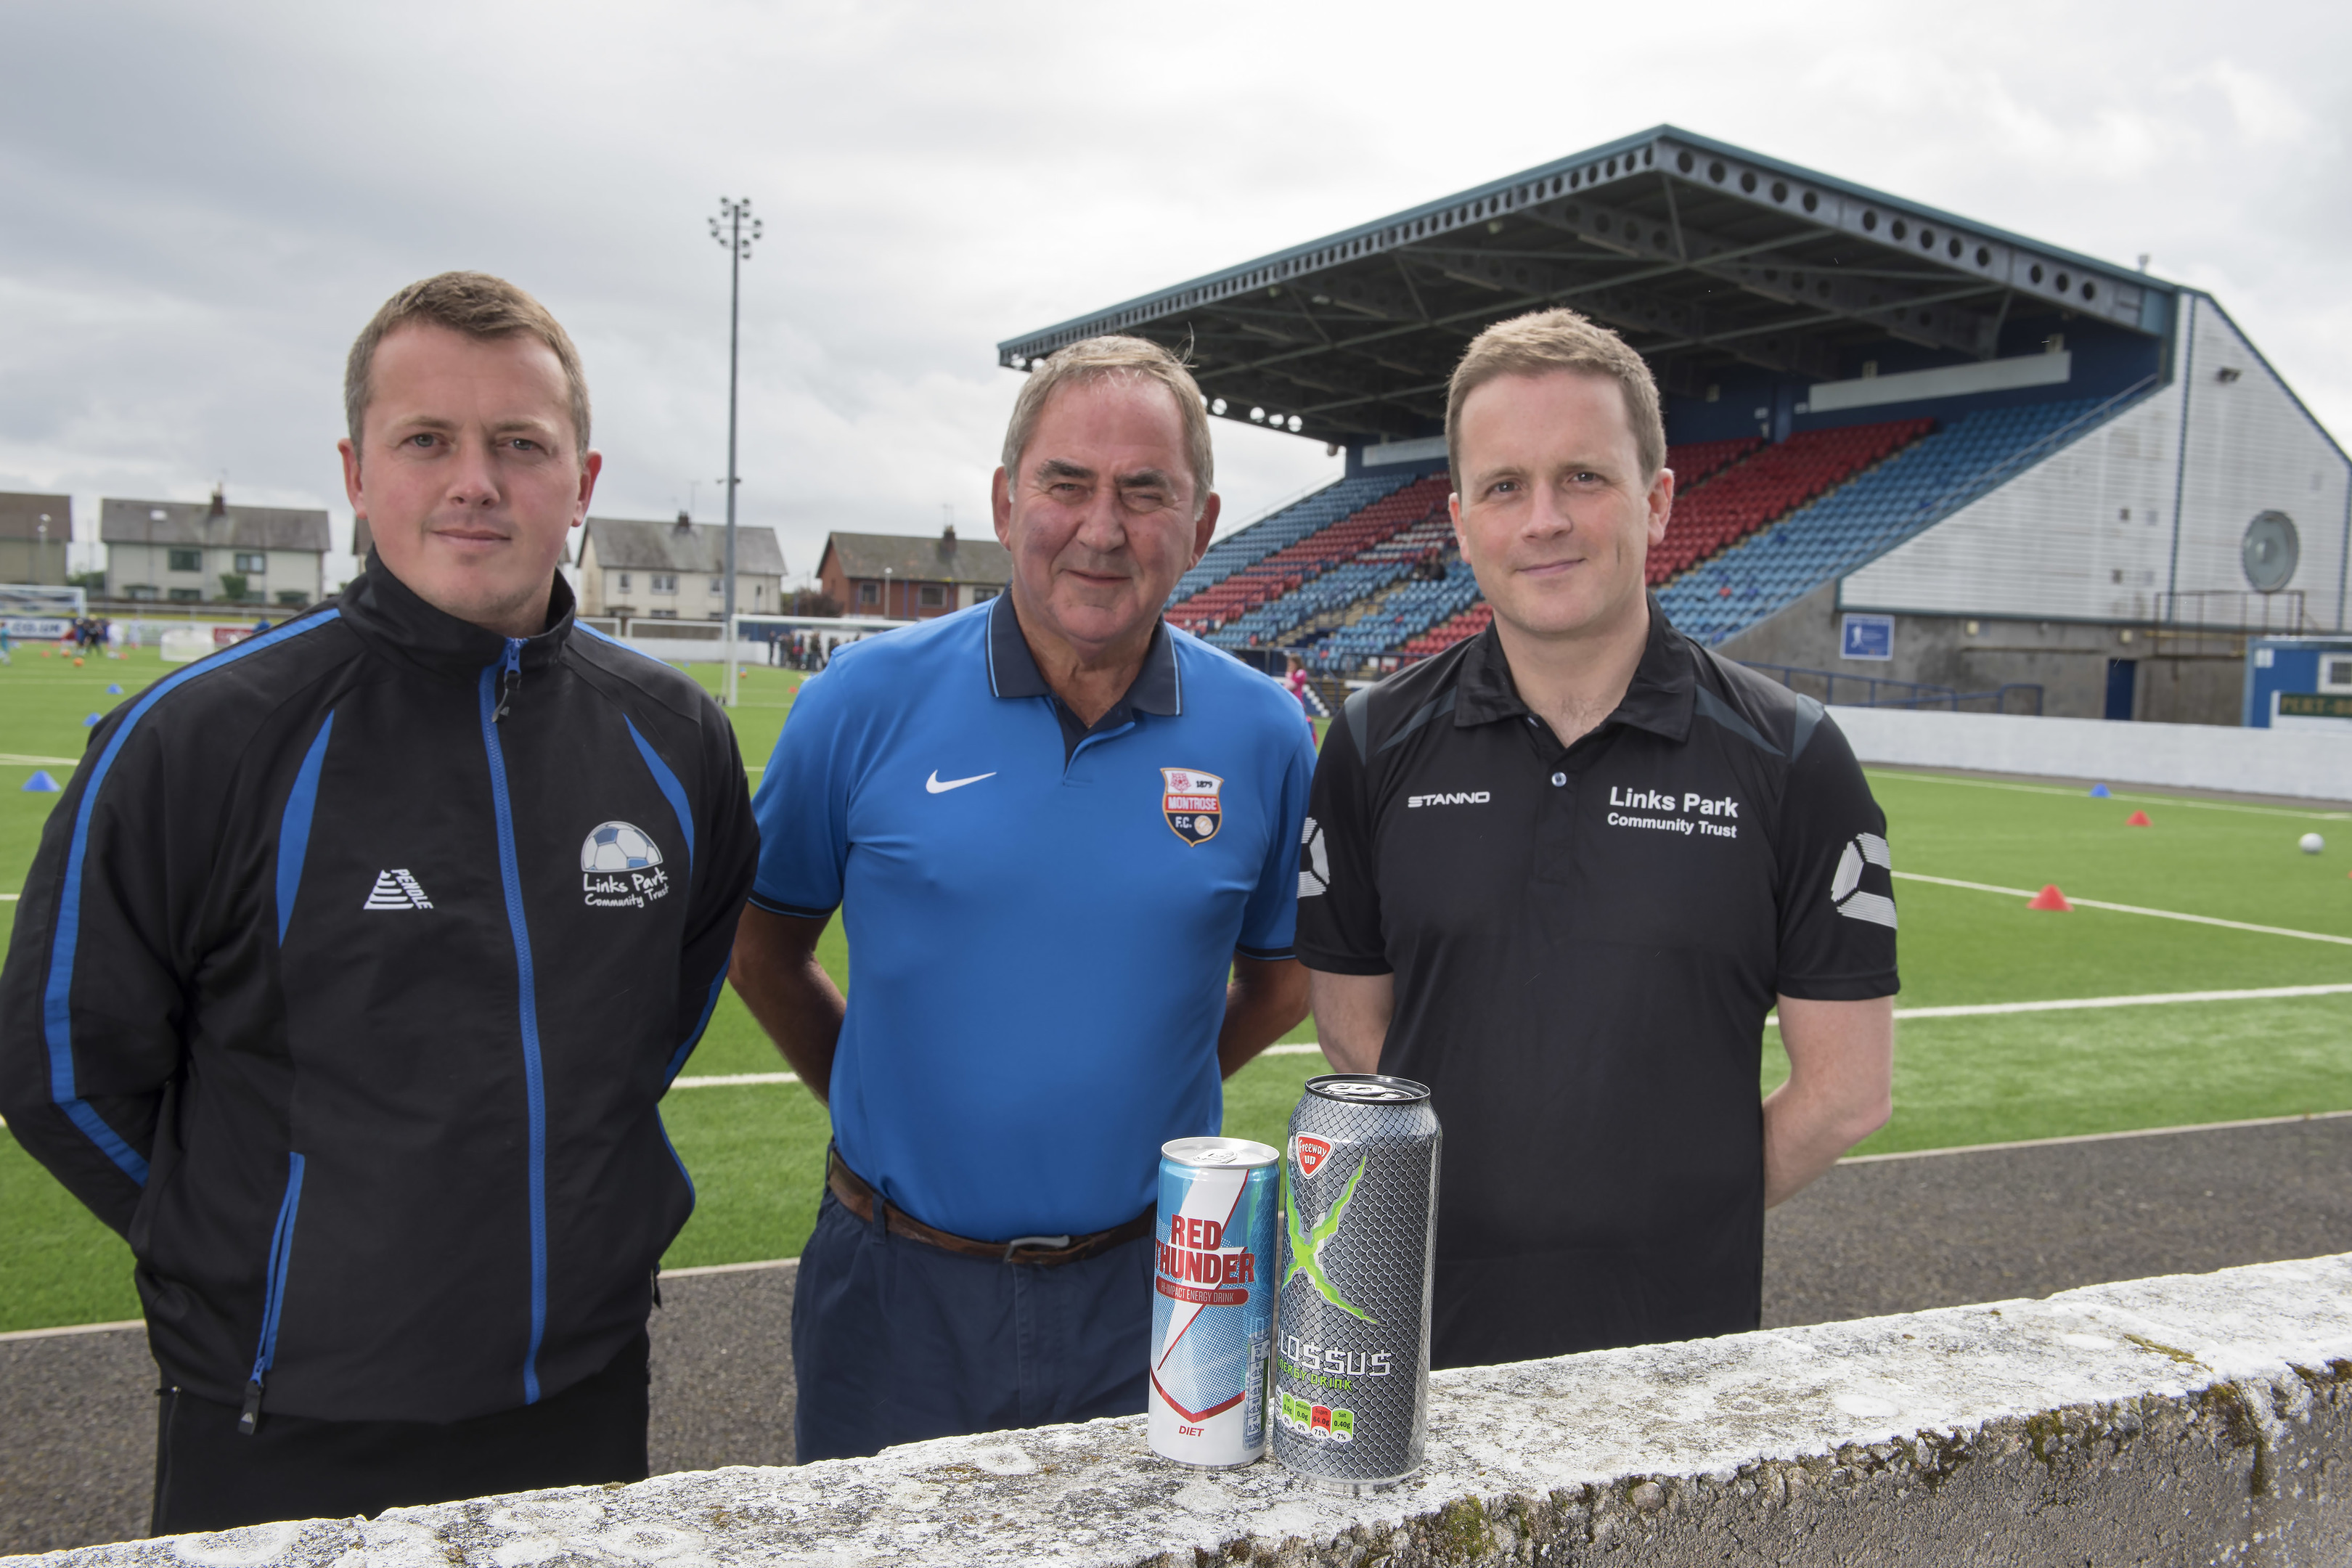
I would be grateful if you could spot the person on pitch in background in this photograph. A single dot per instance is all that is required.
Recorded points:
(356, 957)
(1562, 873)
(1053, 826)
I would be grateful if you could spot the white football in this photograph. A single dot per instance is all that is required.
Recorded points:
(2313, 844)
(618, 847)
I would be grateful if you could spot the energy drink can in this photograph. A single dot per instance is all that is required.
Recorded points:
(1212, 1300)
(1359, 1233)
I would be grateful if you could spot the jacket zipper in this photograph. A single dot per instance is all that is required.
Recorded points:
(273, 1296)
(510, 679)
(495, 705)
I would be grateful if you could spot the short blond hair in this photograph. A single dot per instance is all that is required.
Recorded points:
(479, 306)
(1547, 340)
(1097, 359)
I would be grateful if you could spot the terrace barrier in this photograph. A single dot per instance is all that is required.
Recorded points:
(2186, 1419)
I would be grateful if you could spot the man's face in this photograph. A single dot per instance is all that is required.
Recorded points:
(1100, 519)
(1550, 509)
(469, 472)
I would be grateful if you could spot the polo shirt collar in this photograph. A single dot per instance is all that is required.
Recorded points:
(1658, 698)
(1013, 672)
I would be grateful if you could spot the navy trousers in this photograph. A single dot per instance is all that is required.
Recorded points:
(894, 1340)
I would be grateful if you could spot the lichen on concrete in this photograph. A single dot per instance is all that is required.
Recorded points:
(2186, 1419)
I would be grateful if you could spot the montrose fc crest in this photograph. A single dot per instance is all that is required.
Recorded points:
(1193, 803)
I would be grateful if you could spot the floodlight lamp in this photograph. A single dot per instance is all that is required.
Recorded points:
(1218, 406)
(1294, 423)
(1258, 415)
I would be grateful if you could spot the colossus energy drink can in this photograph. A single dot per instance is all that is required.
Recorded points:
(1359, 1211)
(1212, 1300)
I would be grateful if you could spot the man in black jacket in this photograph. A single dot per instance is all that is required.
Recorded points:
(356, 958)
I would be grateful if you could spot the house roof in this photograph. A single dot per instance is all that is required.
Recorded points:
(196, 523)
(628, 543)
(20, 516)
(920, 558)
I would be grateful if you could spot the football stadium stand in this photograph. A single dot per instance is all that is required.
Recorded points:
(1907, 444)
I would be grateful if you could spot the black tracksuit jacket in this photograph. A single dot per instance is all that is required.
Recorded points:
(346, 984)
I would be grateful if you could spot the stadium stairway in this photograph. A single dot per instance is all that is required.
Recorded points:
(1915, 487)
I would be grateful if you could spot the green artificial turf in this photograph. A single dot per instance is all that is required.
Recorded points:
(757, 1151)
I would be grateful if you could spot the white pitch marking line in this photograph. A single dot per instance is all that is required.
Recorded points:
(19, 760)
(2096, 1137)
(2071, 1004)
(2112, 794)
(2131, 909)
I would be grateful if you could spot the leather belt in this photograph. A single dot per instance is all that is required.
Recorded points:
(1037, 1251)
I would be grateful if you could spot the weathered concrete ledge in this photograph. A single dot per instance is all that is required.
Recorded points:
(2188, 1419)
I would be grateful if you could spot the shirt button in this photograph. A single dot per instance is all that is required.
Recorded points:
(1558, 779)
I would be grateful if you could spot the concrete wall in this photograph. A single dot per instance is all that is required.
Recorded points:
(2097, 530)
(2304, 763)
(2188, 1419)
(2185, 677)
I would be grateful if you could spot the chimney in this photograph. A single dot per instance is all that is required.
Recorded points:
(220, 502)
(948, 542)
(684, 522)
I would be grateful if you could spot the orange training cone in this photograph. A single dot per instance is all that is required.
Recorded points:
(2138, 819)
(2050, 898)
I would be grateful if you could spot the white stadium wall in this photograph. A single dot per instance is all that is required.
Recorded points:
(2099, 530)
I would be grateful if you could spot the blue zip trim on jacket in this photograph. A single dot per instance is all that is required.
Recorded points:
(281, 1252)
(710, 1005)
(511, 875)
(673, 789)
(56, 1000)
(294, 828)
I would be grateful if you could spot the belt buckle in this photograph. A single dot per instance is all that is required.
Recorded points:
(1042, 1243)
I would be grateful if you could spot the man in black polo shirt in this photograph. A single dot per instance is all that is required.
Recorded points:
(1562, 872)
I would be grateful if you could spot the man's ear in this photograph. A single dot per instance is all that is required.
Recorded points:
(1205, 527)
(1000, 506)
(349, 451)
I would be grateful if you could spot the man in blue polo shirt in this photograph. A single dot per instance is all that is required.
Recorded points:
(1053, 825)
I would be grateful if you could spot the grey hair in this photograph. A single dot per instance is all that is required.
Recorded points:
(1096, 359)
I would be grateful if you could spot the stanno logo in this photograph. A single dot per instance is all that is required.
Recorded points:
(621, 868)
(396, 890)
(1846, 891)
(1456, 797)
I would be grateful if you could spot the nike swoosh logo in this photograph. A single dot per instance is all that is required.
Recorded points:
(937, 785)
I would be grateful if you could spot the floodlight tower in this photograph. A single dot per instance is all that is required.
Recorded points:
(737, 229)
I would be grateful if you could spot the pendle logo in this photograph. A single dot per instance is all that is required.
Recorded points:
(1456, 797)
(1309, 1151)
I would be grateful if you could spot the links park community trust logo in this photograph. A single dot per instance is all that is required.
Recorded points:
(1193, 803)
(621, 868)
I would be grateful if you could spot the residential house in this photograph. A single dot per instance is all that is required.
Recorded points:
(911, 577)
(35, 531)
(187, 552)
(676, 570)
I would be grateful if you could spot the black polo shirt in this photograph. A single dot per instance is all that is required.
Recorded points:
(1586, 941)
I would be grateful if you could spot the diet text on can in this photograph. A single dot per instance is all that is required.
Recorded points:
(1212, 1300)
(1359, 1233)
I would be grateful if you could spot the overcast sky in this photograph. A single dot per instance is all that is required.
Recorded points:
(200, 205)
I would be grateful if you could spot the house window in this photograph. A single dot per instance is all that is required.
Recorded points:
(141, 590)
(931, 596)
(187, 560)
(293, 598)
(664, 582)
(186, 595)
(869, 592)
(981, 596)
(719, 584)
(624, 583)
(253, 563)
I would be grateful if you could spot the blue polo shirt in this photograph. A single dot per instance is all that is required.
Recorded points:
(1039, 925)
